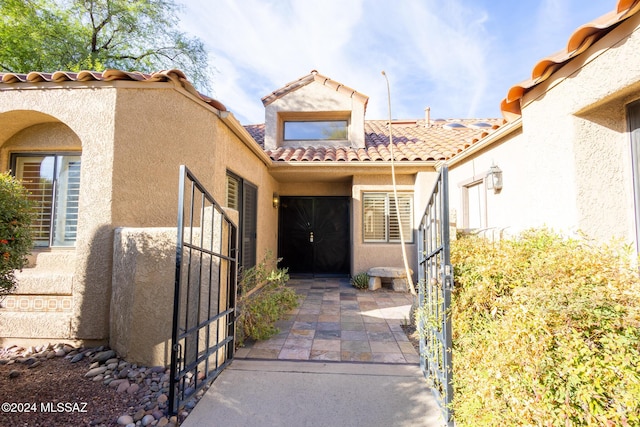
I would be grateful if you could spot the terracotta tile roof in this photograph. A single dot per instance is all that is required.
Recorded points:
(581, 39)
(176, 76)
(311, 77)
(413, 141)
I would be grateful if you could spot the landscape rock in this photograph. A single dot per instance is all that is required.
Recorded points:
(103, 356)
(147, 419)
(95, 371)
(125, 420)
(148, 386)
(139, 415)
(78, 357)
(123, 386)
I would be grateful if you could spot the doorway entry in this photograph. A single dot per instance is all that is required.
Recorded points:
(314, 235)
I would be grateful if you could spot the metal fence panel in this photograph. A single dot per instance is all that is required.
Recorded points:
(435, 285)
(203, 334)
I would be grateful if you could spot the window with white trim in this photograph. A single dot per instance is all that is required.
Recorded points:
(474, 204)
(380, 220)
(53, 182)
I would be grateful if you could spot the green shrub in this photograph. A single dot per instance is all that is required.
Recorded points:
(15, 234)
(360, 281)
(264, 299)
(546, 332)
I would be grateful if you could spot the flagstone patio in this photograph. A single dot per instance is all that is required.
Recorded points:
(337, 322)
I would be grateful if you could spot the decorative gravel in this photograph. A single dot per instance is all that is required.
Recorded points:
(59, 385)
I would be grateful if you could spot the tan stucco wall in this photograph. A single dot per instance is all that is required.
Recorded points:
(142, 297)
(315, 189)
(88, 114)
(315, 98)
(368, 255)
(570, 167)
(132, 142)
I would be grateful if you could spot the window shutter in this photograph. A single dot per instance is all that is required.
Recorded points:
(55, 225)
(380, 220)
(406, 214)
(249, 225)
(374, 220)
(34, 177)
(233, 193)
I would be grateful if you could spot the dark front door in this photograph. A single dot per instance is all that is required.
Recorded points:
(314, 235)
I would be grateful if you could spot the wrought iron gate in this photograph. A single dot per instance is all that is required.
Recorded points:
(435, 286)
(202, 340)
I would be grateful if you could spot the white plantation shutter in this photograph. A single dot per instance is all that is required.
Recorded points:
(406, 213)
(39, 183)
(380, 221)
(40, 175)
(374, 224)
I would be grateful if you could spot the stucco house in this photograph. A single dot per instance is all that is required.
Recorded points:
(569, 151)
(101, 152)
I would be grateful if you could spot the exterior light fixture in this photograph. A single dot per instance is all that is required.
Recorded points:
(275, 200)
(494, 179)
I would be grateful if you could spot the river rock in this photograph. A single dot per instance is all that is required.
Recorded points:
(95, 371)
(125, 420)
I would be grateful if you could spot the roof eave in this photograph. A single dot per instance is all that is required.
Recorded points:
(484, 143)
(234, 125)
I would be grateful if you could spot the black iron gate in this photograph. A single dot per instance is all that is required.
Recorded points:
(202, 340)
(435, 286)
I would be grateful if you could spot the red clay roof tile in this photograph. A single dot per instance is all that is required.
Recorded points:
(176, 76)
(413, 141)
(311, 77)
(581, 39)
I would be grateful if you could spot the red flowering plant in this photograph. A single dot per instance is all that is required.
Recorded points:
(15, 235)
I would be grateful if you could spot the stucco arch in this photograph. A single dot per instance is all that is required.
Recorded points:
(24, 130)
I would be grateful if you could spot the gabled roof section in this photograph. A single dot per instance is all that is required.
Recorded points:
(109, 75)
(581, 39)
(413, 141)
(314, 76)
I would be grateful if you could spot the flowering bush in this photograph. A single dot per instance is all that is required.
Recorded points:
(15, 234)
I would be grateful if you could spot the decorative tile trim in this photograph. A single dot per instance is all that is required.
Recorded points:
(40, 303)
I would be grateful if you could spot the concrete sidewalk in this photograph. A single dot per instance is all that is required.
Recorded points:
(266, 393)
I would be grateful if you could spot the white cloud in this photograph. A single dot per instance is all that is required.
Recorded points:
(459, 57)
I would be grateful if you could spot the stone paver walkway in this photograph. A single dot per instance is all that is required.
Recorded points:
(336, 322)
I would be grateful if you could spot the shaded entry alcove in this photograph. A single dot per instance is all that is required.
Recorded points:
(314, 235)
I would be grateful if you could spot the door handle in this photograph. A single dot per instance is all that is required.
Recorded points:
(311, 237)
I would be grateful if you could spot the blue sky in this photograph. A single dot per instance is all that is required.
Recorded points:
(458, 57)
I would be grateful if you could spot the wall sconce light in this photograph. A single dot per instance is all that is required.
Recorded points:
(494, 179)
(275, 200)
